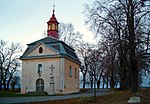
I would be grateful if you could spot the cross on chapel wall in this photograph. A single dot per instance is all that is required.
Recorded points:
(52, 70)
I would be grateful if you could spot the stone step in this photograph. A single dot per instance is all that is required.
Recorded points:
(134, 100)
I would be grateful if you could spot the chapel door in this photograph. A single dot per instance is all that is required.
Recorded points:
(40, 85)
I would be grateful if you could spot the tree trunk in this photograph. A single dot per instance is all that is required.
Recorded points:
(112, 82)
(94, 85)
(8, 84)
(4, 84)
(132, 46)
(122, 61)
(107, 82)
(84, 80)
(123, 79)
(94, 88)
(0, 75)
(98, 83)
(0, 84)
(91, 84)
(103, 83)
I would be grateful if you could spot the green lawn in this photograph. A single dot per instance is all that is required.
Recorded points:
(16, 93)
(117, 97)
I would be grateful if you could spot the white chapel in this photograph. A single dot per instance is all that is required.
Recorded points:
(50, 65)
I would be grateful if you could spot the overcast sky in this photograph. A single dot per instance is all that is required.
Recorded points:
(25, 20)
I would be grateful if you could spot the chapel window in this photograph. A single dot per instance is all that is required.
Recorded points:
(40, 50)
(75, 73)
(70, 71)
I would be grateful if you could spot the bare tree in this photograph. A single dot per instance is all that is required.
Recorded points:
(94, 65)
(68, 35)
(83, 50)
(9, 61)
(109, 24)
(96, 71)
(125, 18)
(15, 82)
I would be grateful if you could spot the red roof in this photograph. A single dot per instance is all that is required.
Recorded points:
(53, 18)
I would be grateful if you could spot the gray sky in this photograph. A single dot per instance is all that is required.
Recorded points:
(25, 20)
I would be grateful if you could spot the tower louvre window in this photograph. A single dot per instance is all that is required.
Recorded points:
(49, 27)
(56, 27)
(53, 26)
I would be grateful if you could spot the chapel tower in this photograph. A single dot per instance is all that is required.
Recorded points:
(52, 26)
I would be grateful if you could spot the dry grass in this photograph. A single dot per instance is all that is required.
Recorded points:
(118, 97)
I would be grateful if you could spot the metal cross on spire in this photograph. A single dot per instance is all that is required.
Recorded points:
(53, 9)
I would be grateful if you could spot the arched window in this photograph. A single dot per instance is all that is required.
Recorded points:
(53, 26)
(40, 85)
(39, 69)
(56, 27)
(48, 27)
(40, 50)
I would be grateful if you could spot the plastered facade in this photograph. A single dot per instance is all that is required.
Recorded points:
(63, 82)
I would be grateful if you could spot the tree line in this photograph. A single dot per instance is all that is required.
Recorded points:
(123, 55)
(9, 64)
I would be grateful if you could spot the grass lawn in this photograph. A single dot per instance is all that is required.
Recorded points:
(118, 97)
(16, 93)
